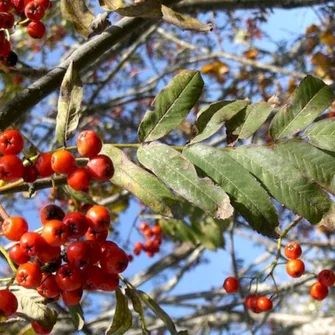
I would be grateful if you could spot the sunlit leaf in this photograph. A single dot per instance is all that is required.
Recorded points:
(69, 103)
(177, 172)
(77, 316)
(145, 8)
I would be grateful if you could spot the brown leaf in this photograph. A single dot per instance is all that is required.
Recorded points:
(111, 5)
(78, 13)
(184, 22)
(150, 9)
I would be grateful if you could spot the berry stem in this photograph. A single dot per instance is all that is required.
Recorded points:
(3, 213)
(9, 261)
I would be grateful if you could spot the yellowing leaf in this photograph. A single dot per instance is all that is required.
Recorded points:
(78, 13)
(251, 53)
(111, 5)
(146, 8)
(321, 60)
(312, 29)
(291, 85)
(327, 37)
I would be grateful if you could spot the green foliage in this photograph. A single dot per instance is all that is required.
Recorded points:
(77, 316)
(171, 105)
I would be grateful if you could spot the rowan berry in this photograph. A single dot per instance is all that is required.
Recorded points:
(40, 329)
(36, 29)
(62, 161)
(68, 277)
(100, 167)
(92, 277)
(45, 3)
(32, 243)
(30, 173)
(72, 298)
(77, 224)
(79, 179)
(264, 304)
(144, 226)
(95, 251)
(49, 254)
(6, 20)
(156, 230)
(326, 277)
(114, 260)
(98, 236)
(251, 301)
(18, 255)
(11, 168)
(110, 282)
(29, 275)
(55, 232)
(8, 303)
(79, 253)
(14, 227)
(231, 285)
(148, 233)
(34, 11)
(295, 268)
(89, 143)
(5, 5)
(107, 244)
(48, 287)
(11, 142)
(318, 291)
(43, 165)
(99, 218)
(5, 48)
(51, 212)
(293, 250)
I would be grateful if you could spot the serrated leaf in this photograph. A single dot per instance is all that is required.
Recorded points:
(141, 183)
(138, 308)
(150, 9)
(69, 102)
(33, 307)
(309, 100)
(256, 115)
(183, 21)
(315, 164)
(246, 194)
(212, 117)
(123, 318)
(171, 105)
(111, 5)
(77, 316)
(285, 183)
(160, 313)
(322, 134)
(176, 171)
(79, 195)
(78, 13)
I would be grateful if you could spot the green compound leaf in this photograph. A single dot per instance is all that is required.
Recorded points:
(246, 194)
(309, 100)
(171, 105)
(141, 183)
(315, 164)
(322, 134)
(178, 173)
(284, 182)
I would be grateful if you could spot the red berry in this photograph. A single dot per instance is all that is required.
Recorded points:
(69, 277)
(6, 20)
(77, 224)
(326, 277)
(89, 143)
(18, 255)
(55, 232)
(11, 142)
(11, 168)
(36, 29)
(100, 168)
(5, 5)
(98, 236)
(318, 291)
(114, 260)
(79, 179)
(51, 212)
(62, 161)
(293, 250)
(18, 5)
(48, 287)
(95, 251)
(8, 303)
(40, 329)
(49, 254)
(44, 3)
(250, 301)
(79, 253)
(29, 275)
(14, 227)
(107, 244)
(34, 11)
(156, 230)
(144, 226)
(5, 48)
(264, 304)
(72, 298)
(30, 173)
(148, 233)
(43, 165)
(110, 282)
(92, 277)
(32, 243)
(231, 285)
(295, 268)
(99, 218)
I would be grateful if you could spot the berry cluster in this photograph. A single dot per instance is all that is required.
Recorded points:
(29, 12)
(70, 255)
(296, 267)
(99, 167)
(153, 238)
